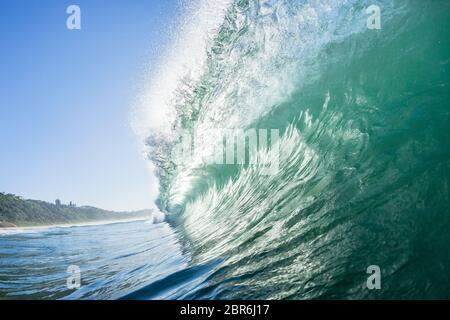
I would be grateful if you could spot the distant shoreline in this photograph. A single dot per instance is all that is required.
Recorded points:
(7, 225)
(16, 212)
(69, 225)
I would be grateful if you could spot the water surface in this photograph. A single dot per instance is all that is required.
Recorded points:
(114, 259)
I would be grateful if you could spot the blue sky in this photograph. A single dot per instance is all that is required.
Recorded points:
(66, 98)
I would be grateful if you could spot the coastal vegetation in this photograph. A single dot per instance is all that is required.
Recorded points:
(16, 211)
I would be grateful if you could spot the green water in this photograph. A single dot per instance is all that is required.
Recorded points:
(364, 119)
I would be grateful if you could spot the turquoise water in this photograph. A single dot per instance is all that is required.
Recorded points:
(364, 150)
(363, 164)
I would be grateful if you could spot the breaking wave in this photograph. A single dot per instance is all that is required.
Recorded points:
(363, 151)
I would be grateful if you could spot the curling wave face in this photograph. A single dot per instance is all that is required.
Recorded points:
(363, 152)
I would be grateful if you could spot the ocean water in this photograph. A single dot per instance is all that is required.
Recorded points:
(113, 259)
(363, 154)
(363, 163)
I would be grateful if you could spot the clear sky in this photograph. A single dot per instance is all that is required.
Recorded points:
(66, 98)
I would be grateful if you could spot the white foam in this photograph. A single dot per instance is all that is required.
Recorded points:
(185, 57)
